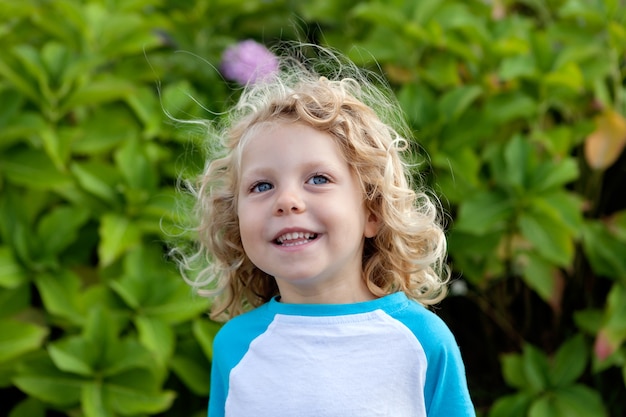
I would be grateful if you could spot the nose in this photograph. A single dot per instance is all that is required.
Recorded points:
(289, 201)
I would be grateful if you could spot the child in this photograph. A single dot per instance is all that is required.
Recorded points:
(323, 257)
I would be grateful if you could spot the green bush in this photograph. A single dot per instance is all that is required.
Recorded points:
(519, 105)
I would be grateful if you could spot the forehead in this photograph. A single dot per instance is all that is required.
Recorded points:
(278, 139)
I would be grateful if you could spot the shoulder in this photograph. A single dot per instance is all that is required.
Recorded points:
(234, 338)
(429, 329)
(249, 324)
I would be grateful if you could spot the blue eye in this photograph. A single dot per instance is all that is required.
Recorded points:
(318, 180)
(261, 187)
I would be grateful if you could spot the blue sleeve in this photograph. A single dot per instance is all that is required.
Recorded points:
(446, 392)
(219, 379)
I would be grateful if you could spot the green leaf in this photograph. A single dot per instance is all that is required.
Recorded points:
(551, 239)
(379, 13)
(541, 276)
(614, 323)
(13, 103)
(60, 293)
(105, 129)
(174, 302)
(124, 33)
(56, 147)
(26, 124)
(551, 176)
(16, 214)
(579, 401)
(474, 255)
(589, 320)
(544, 406)
(99, 179)
(515, 405)
(459, 173)
(509, 106)
(157, 336)
(101, 330)
(457, 100)
(15, 76)
(42, 380)
(513, 371)
(570, 362)
(562, 207)
(59, 228)
(557, 141)
(518, 66)
(441, 71)
(97, 92)
(483, 212)
(518, 157)
(28, 56)
(148, 110)
(136, 167)
(542, 50)
(569, 76)
(75, 355)
(127, 354)
(131, 289)
(419, 103)
(135, 392)
(197, 378)
(14, 300)
(177, 100)
(11, 272)
(48, 19)
(145, 261)
(535, 368)
(33, 169)
(117, 235)
(588, 10)
(18, 338)
(30, 407)
(204, 332)
(94, 401)
(55, 56)
(604, 252)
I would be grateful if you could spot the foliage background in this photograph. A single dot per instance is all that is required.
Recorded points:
(519, 106)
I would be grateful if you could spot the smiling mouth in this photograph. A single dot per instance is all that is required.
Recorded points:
(296, 238)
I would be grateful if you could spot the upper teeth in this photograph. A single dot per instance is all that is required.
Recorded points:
(294, 236)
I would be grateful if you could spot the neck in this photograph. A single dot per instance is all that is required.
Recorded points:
(339, 294)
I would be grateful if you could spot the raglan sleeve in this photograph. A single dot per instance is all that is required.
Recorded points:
(446, 391)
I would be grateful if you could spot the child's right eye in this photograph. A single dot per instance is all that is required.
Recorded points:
(260, 187)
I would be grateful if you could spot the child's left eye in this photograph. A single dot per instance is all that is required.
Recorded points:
(318, 179)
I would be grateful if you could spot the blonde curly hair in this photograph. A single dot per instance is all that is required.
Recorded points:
(357, 109)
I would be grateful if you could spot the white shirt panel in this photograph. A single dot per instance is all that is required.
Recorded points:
(367, 364)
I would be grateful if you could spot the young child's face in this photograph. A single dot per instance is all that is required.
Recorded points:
(301, 214)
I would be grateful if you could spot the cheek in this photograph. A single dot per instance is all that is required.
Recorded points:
(248, 227)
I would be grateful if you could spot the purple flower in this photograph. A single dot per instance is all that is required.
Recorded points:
(248, 62)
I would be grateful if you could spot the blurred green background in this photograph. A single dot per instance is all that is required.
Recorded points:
(519, 107)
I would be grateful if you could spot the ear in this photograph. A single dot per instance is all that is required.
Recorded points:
(372, 224)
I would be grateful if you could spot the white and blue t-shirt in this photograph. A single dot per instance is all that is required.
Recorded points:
(386, 357)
